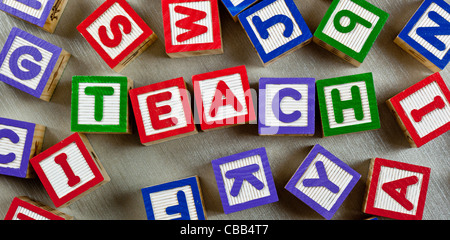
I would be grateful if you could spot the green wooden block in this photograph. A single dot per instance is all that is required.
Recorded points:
(350, 28)
(348, 104)
(100, 104)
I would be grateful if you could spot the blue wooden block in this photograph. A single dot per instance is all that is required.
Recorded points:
(236, 7)
(33, 11)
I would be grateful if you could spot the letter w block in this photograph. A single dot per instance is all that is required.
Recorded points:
(191, 28)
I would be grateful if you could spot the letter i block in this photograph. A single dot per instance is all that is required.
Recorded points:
(223, 98)
(19, 142)
(191, 28)
(396, 190)
(427, 36)
(162, 111)
(423, 110)
(244, 180)
(287, 106)
(69, 170)
(31, 64)
(235, 7)
(350, 28)
(323, 181)
(177, 200)
(275, 28)
(42, 13)
(348, 104)
(130, 34)
(24, 208)
(100, 104)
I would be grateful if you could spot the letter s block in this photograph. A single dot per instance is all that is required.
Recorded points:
(25, 208)
(423, 110)
(350, 28)
(31, 64)
(117, 33)
(69, 170)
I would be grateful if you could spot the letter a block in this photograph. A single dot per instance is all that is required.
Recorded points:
(19, 142)
(130, 34)
(348, 104)
(350, 28)
(287, 106)
(177, 200)
(100, 104)
(24, 208)
(223, 98)
(31, 64)
(427, 35)
(396, 190)
(69, 170)
(162, 111)
(42, 13)
(275, 28)
(235, 7)
(244, 180)
(423, 110)
(191, 27)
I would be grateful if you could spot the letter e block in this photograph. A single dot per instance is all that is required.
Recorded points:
(69, 170)
(25, 208)
(396, 190)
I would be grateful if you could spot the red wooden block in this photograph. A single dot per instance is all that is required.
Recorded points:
(423, 110)
(223, 98)
(69, 170)
(131, 35)
(396, 190)
(162, 111)
(191, 27)
(24, 208)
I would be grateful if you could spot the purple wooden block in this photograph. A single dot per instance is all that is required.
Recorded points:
(16, 139)
(33, 11)
(323, 181)
(287, 106)
(244, 180)
(37, 61)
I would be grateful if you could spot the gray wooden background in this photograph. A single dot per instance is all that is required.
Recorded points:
(132, 166)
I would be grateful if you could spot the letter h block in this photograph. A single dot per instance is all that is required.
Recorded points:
(25, 208)
(177, 200)
(244, 180)
(131, 36)
(323, 181)
(100, 104)
(423, 110)
(396, 190)
(350, 28)
(191, 28)
(19, 142)
(162, 111)
(427, 35)
(69, 170)
(31, 64)
(275, 28)
(42, 13)
(348, 104)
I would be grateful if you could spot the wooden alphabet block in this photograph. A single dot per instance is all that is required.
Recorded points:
(191, 28)
(100, 104)
(275, 28)
(426, 36)
(42, 13)
(323, 181)
(31, 64)
(287, 106)
(423, 110)
(223, 98)
(244, 180)
(162, 111)
(69, 170)
(348, 104)
(396, 190)
(235, 7)
(350, 28)
(132, 36)
(19, 142)
(177, 200)
(25, 208)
